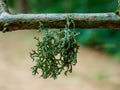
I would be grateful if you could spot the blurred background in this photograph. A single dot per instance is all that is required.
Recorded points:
(98, 57)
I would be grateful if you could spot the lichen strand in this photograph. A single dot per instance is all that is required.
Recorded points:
(57, 52)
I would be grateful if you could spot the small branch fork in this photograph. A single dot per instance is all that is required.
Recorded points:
(3, 6)
(12, 22)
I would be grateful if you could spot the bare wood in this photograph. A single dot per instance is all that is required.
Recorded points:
(12, 22)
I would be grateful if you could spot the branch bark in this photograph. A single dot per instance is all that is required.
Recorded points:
(31, 21)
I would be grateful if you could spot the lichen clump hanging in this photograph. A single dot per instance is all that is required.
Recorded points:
(57, 52)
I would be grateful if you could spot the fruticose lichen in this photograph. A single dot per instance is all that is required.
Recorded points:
(56, 52)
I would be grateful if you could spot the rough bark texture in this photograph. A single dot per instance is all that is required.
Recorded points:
(31, 21)
(12, 22)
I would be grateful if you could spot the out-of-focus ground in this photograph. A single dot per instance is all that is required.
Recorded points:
(94, 70)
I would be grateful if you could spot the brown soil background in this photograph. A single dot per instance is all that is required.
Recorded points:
(94, 70)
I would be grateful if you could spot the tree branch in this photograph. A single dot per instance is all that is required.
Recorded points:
(12, 22)
(31, 21)
(3, 6)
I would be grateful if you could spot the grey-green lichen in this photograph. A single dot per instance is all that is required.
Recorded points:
(57, 51)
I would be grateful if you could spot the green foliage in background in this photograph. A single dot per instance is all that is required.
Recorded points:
(103, 39)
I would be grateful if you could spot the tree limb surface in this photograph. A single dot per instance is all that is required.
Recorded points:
(12, 22)
(32, 21)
